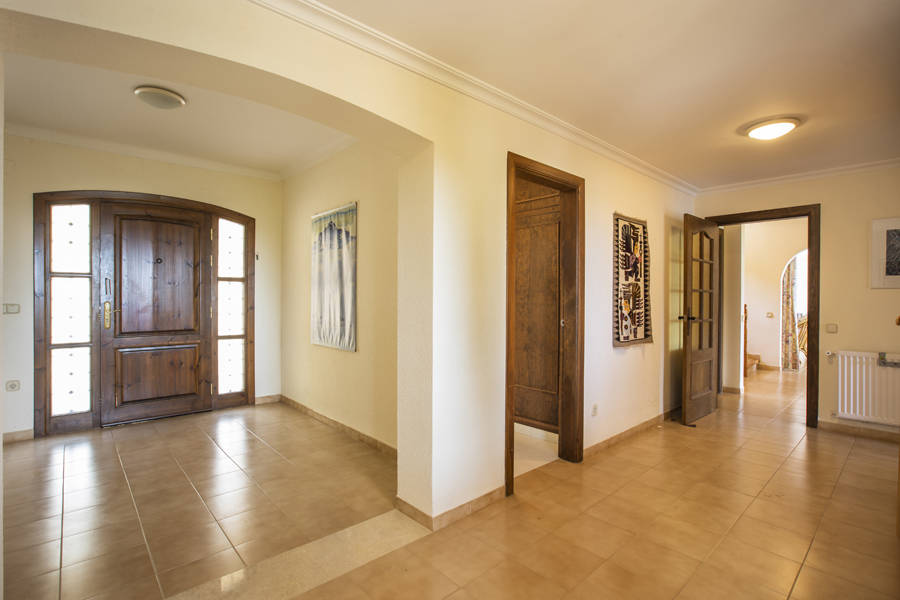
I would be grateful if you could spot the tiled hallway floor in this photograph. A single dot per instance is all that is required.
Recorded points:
(749, 504)
(141, 510)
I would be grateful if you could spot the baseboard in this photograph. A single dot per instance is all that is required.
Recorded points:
(765, 367)
(731, 390)
(11, 437)
(860, 431)
(454, 514)
(358, 435)
(630, 432)
(267, 399)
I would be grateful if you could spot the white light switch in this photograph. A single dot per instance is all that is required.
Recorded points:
(11, 309)
(831, 328)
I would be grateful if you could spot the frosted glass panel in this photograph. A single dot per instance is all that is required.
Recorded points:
(231, 366)
(231, 308)
(231, 249)
(70, 310)
(70, 380)
(70, 238)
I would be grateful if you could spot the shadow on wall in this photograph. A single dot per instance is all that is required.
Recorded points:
(674, 284)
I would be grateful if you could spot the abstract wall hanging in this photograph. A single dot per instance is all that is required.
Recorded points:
(631, 282)
(333, 279)
(885, 261)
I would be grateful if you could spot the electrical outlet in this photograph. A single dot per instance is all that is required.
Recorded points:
(13, 385)
(594, 410)
(11, 309)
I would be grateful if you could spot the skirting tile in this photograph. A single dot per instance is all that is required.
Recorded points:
(362, 437)
(18, 436)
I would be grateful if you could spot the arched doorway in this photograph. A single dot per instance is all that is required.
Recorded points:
(794, 313)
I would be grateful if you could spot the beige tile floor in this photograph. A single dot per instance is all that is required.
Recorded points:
(749, 504)
(146, 510)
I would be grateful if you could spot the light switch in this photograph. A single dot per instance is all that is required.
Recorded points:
(831, 328)
(11, 309)
(770, 315)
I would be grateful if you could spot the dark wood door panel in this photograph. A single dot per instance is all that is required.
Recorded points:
(159, 275)
(145, 373)
(536, 350)
(545, 305)
(700, 315)
(156, 354)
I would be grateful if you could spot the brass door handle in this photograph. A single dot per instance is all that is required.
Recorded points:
(107, 314)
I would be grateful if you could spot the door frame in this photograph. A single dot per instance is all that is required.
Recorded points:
(813, 214)
(571, 405)
(44, 424)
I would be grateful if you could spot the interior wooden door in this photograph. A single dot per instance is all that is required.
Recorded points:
(154, 282)
(701, 318)
(545, 306)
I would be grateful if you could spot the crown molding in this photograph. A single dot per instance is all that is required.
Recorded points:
(868, 166)
(58, 137)
(346, 29)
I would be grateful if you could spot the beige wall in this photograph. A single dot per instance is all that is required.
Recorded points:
(455, 423)
(35, 166)
(850, 201)
(732, 309)
(358, 388)
(767, 248)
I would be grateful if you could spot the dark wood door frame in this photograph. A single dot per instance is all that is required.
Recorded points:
(44, 424)
(812, 212)
(571, 422)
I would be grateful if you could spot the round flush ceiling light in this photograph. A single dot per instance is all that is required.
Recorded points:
(771, 129)
(158, 97)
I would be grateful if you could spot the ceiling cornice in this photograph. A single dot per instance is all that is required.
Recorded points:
(346, 29)
(869, 166)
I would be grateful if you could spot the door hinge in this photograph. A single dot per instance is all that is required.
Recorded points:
(210, 234)
(210, 311)
(210, 389)
(210, 261)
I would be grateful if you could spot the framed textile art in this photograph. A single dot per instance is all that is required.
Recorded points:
(332, 286)
(631, 282)
(885, 261)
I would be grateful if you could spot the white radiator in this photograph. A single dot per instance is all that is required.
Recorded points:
(867, 390)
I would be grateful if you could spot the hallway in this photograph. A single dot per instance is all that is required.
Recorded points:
(749, 504)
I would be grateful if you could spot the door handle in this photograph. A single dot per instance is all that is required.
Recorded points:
(107, 314)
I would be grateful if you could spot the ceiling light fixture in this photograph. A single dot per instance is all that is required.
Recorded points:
(158, 97)
(770, 129)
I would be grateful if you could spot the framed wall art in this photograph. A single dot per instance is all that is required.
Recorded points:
(333, 279)
(885, 261)
(631, 282)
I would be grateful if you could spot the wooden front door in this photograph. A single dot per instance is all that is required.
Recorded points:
(701, 318)
(544, 305)
(155, 321)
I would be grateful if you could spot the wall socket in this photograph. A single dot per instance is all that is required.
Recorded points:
(11, 309)
(13, 385)
(594, 410)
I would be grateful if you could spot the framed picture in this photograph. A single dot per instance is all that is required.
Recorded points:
(885, 261)
(332, 286)
(631, 282)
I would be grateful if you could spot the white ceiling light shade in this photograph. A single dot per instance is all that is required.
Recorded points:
(770, 129)
(158, 97)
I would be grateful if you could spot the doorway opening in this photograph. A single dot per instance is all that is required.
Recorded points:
(545, 307)
(703, 376)
(794, 312)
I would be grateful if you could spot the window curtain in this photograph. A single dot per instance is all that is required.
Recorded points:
(790, 348)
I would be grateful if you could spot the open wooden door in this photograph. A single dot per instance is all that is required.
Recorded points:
(701, 318)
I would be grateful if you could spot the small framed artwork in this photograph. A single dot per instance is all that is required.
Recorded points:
(885, 261)
(332, 312)
(631, 282)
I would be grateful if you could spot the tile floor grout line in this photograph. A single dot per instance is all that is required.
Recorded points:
(140, 521)
(62, 516)
(743, 512)
(819, 525)
(206, 506)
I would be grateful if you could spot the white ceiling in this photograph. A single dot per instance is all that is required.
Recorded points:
(44, 96)
(670, 81)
